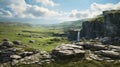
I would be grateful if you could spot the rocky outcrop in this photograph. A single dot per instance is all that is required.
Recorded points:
(92, 46)
(88, 50)
(92, 29)
(65, 51)
(72, 35)
(6, 44)
(15, 50)
(112, 23)
(111, 54)
(107, 25)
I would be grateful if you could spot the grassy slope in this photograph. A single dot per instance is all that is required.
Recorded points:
(44, 43)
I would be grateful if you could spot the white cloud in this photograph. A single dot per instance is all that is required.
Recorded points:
(19, 8)
(37, 11)
(5, 13)
(47, 2)
(79, 14)
(94, 10)
(103, 7)
(16, 7)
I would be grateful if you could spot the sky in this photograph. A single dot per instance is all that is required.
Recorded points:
(53, 11)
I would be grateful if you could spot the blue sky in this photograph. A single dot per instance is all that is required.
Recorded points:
(69, 5)
(53, 11)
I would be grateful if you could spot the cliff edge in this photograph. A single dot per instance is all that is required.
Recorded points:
(105, 25)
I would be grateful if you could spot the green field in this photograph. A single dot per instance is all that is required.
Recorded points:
(43, 37)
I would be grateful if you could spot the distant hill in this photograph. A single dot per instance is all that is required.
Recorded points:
(15, 24)
(67, 25)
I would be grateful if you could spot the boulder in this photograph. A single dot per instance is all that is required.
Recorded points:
(88, 45)
(24, 54)
(93, 57)
(45, 55)
(106, 40)
(17, 42)
(14, 50)
(7, 44)
(116, 41)
(16, 57)
(100, 47)
(114, 48)
(19, 34)
(5, 39)
(110, 54)
(35, 51)
(80, 43)
(65, 51)
(31, 41)
(5, 56)
(92, 46)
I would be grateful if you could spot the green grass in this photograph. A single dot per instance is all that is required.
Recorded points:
(44, 39)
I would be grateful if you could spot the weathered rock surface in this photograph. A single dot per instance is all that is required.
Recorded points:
(7, 55)
(92, 56)
(72, 34)
(110, 54)
(112, 23)
(106, 40)
(92, 46)
(16, 57)
(114, 48)
(105, 26)
(6, 44)
(45, 55)
(68, 51)
(24, 54)
(92, 29)
(17, 42)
